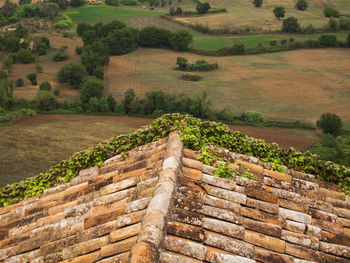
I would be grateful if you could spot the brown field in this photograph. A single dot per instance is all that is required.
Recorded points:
(33, 144)
(296, 85)
(243, 13)
(50, 69)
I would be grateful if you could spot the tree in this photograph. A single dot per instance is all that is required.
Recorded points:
(12, 44)
(112, 104)
(45, 86)
(182, 63)
(83, 27)
(94, 55)
(151, 36)
(279, 12)
(333, 24)
(129, 96)
(122, 41)
(6, 89)
(181, 39)
(258, 3)
(91, 87)
(328, 40)
(73, 73)
(90, 36)
(76, 3)
(25, 56)
(8, 8)
(301, 5)
(202, 8)
(112, 2)
(330, 12)
(32, 78)
(330, 123)
(348, 40)
(200, 106)
(290, 25)
(46, 101)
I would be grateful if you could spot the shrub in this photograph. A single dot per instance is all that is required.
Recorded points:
(76, 3)
(330, 123)
(348, 40)
(182, 63)
(56, 92)
(32, 78)
(25, 56)
(190, 77)
(328, 40)
(202, 65)
(151, 36)
(112, 104)
(65, 23)
(38, 68)
(12, 44)
(308, 29)
(253, 117)
(78, 50)
(122, 41)
(178, 11)
(330, 12)
(290, 25)
(273, 42)
(236, 49)
(45, 86)
(46, 101)
(279, 12)
(129, 2)
(202, 8)
(19, 82)
(333, 25)
(94, 55)
(112, 2)
(283, 41)
(344, 23)
(301, 5)
(73, 73)
(41, 45)
(181, 39)
(91, 87)
(59, 56)
(258, 3)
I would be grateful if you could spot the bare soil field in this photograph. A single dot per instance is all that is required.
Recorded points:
(243, 13)
(33, 144)
(294, 85)
(50, 68)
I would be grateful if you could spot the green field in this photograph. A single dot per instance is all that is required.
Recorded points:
(96, 14)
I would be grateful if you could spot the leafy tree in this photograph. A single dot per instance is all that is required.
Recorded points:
(330, 123)
(344, 23)
(94, 55)
(56, 92)
(59, 56)
(104, 29)
(76, 3)
(91, 87)
(8, 8)
(83, 27)
(253, 116)
(25, 56)
(38, 68)
(41, 45)
(94, 104)
(330, 12)
(45, 86)
(171, 11)
(112, 104)
(333, 25)
(200, 106)
(3, 20)
(154, 37)
(90, 36)
(103, 105)
(122, 41)
(112, 2)
(129, 96)
(63, 4)
(202, 8)
(290, 25)
(279, 12)
(182, 63)
(178, 11)
(181, 39)
(46, 100)
(348, 40)
(301, 5)
(98, 72)
(12, 44)
(73, 73)
(258, 3)
(24, 2)
(6, 89)
(19, 82)
(328, 40)
(32, 78)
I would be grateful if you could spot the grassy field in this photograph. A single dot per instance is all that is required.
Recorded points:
(243, 13)
(32, 144)
(299, 85)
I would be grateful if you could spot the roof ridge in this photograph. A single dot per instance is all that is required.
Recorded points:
(153, 224)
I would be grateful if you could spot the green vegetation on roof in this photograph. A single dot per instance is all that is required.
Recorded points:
(195, 134)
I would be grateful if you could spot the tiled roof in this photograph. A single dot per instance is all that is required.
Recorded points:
(163, 205)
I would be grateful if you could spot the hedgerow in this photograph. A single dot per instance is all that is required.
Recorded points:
(196, 134)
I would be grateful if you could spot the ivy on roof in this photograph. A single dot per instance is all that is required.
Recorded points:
(195, 134)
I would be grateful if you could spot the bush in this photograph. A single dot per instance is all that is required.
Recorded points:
(202, 8)
(91, 87)
(59, 56)
(32, 78)
(344, 23)
(65, 23)
(73, 73)
(273, 42)
(45, 86)
(78, 50)
(290, 25)
(330, 12)
(283, 41)
(112, 104)
(38, 68)
(76, 3)
(129, 2)
(12, 44)
(190, 77)
(151, 36)
(122, 41)
(236, 49)
(182, 63)
(181, 39)
(301, 5)
(253, 117)
(178, 11)
(56, 92)
(258, 3)
(112, 2)
(94, 55)
(41, 45)
(348, 40)
(46, 101)
(333, 25)
(279, 12)
(202, 65)
(25, 56)
(308, 29)
(19, 82)
(330, 123)
(328, 40)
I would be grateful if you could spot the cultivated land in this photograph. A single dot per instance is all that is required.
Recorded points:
(243, 13)
(33, 144)
(299, 85)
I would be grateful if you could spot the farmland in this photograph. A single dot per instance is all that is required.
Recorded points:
(32, 144)
(277, 84)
